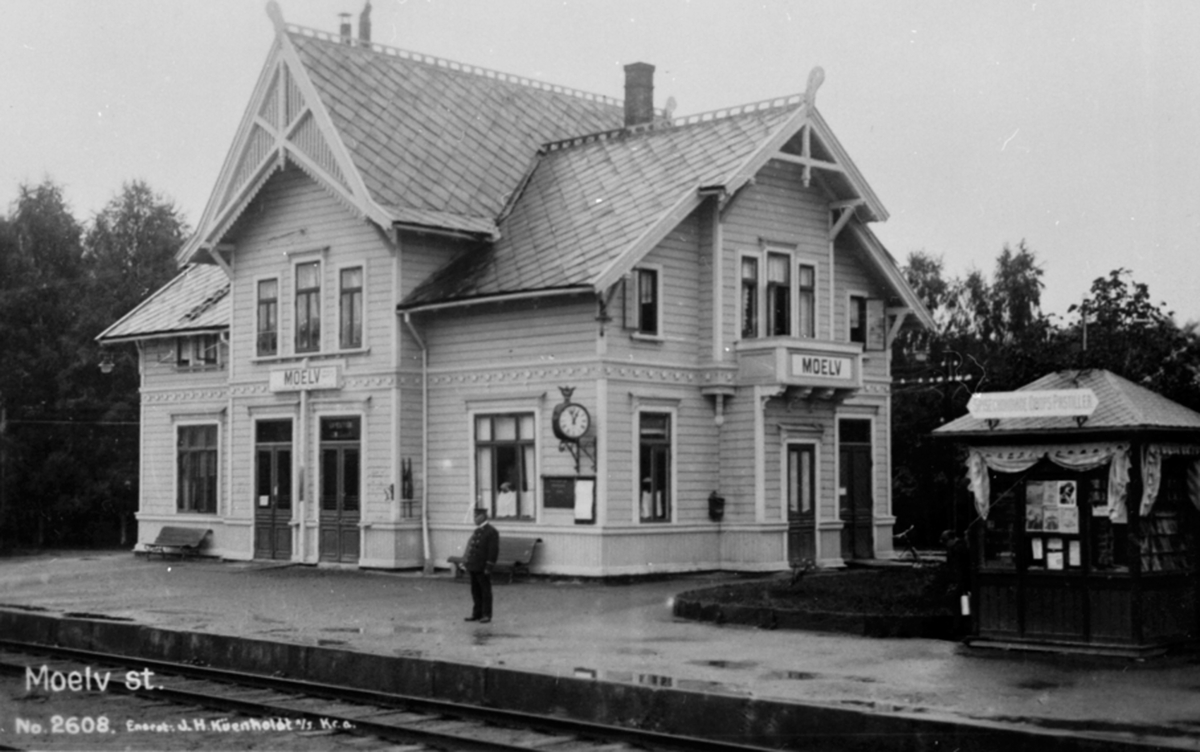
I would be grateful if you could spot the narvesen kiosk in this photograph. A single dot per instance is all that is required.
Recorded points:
(1087, 490)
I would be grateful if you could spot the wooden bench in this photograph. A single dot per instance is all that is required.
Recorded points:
(184, 541)
(515, 555)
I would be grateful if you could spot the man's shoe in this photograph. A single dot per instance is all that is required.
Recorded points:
(472, 618)
(485, 620)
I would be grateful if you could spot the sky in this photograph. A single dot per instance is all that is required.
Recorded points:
(1071, 125)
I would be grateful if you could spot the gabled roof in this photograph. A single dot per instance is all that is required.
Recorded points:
(588, 203)
(398, 136)
(1123, 406)
(194, 302)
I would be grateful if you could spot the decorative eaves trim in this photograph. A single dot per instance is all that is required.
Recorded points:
(634, 252)
(877, 253)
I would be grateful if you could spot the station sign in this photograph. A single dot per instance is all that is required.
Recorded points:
(301, 379)
(822, 366)
(1050, 403)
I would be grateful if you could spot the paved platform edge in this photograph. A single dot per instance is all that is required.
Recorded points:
(712, 715)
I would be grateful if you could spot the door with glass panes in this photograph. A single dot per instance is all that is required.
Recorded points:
(340, 480)
(801, 504)
(273, 489)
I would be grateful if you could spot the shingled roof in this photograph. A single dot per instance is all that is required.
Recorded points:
(432, 136)
(588, 200)
(196, 301)
(1123, 406)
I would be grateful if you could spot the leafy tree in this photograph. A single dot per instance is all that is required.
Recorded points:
(69, 447)
(40, 299)
(1122, 330)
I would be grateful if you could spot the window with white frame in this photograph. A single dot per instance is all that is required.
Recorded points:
(643, 301)
(505, 465)
(749, 297)
(806, 301)
(268, 317)
(308, 307)
(858, 318)
(779, 294)
(199, 351)
(350, 307)
(654, 466)
(196, 469)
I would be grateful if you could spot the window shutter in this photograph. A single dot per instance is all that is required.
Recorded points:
(876, 325)
(629, 296)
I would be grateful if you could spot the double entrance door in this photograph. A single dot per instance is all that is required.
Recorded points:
(855, 494)
(340, 479)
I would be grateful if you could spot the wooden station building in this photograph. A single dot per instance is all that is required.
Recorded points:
(1088, 490)
(408, 265)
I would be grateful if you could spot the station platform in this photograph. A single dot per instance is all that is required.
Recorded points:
(627, 635)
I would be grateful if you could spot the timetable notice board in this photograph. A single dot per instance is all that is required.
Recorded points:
(574, 492)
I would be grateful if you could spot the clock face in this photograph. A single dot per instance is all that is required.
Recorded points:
(573, 421)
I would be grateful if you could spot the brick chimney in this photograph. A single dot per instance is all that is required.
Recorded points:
(364, 24)
(344, 28)
(639, 94)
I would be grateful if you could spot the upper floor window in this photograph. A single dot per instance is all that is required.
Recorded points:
(196, 469)
(779, 297)
(806, 301)
(780, 293)
(308, 307)
(858, 319)
(199, 351)
(643, 295)
(505, 470)
(350, 310)
(268, 317)
(868, 322)
(749, 297)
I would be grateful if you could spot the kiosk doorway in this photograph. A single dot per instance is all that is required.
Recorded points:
(340, 480)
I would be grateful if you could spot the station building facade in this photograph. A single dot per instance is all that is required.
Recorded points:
(408, 268)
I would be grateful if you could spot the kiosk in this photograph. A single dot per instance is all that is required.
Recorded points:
(1087, 489)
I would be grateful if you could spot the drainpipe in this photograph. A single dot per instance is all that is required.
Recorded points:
(427, 553)
(301, 471)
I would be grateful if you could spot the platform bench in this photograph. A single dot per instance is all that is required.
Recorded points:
(515, 555)
(184, 541)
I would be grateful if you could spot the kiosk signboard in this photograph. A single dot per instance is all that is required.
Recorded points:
(1074, 403)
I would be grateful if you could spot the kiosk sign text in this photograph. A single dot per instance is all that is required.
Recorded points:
(1049, 403)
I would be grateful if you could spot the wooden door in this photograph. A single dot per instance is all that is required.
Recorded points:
(801, 496)
(855, 493)
(340, 481)
(273, 490)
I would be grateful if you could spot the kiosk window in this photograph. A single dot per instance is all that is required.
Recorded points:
(1165, 538)
(1000, 530)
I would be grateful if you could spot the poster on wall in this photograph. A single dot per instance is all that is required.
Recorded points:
(1054, 553)
(1068, 520)
(1050, 519)
(585, 500)
(1066, 493)
(1037, 552)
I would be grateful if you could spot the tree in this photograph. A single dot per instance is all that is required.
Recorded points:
(69, 447)
(1122, 330)
(131, 245)
(40, 300)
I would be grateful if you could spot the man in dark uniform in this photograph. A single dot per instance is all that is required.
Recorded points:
(480, 556)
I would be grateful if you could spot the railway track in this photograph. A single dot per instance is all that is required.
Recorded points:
(280, 703)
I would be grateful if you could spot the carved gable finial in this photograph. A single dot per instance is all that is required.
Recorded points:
(816, 77)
